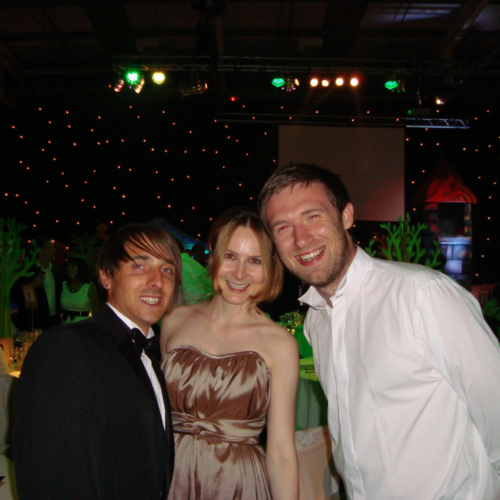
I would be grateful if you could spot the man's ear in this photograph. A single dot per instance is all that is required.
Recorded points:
(104, 279)
(348, 216)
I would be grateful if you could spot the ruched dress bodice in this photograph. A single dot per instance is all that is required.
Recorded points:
(219, 405)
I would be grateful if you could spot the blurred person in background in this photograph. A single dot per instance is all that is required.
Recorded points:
(79, 293)
(47, 286)
(199, 255)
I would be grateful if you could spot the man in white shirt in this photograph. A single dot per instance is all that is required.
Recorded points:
(409, 366)
(92, 411)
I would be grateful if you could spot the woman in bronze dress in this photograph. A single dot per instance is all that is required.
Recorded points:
(227, 367)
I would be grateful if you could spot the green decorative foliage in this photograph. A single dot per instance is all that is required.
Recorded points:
(402, 243)
(85, 247)
(370, 250)
(11, 267)
(435, 254)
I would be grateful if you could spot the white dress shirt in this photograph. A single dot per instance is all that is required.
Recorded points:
(147, 363)
(50, 288)
(411, 372)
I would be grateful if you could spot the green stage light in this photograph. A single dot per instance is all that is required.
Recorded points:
(395, 84)
(391, 85)
(278, 81)
(132, 76)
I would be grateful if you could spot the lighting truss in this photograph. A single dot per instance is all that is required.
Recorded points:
(355, 121)
(326, 66)
(193, 89)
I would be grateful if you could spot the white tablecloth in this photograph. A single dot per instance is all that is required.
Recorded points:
(318, 479)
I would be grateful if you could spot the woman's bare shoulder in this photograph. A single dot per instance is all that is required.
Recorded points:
(271, 328)
(180, 327)
(281, 335)
(179, 316)
(278, 343)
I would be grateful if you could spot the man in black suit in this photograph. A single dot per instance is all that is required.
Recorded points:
(92, 411)
(47, 286)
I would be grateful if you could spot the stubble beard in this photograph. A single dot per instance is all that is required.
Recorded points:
(334, 270)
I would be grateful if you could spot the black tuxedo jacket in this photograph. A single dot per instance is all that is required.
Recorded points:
(41, 318)
(87, 424)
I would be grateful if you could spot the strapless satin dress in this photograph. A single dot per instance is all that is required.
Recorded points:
(219, 405)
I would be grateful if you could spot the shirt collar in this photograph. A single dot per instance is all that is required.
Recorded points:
(128, 322)
(351, 281)
(313, 298)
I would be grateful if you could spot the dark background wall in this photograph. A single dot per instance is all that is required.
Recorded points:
(69, 166)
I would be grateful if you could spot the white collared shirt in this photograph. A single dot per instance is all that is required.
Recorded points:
(411, 372)
(50, 288)
(147, 363)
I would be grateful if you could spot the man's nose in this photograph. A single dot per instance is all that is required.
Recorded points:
(155, 279)
(302, 236)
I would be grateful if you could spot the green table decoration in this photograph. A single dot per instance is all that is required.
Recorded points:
(305, 348)
(307, 370)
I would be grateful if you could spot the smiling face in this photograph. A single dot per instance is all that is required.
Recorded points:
(141, 289)
(241, 273)
(310, 236)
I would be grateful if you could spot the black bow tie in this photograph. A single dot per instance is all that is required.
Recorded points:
(141, 343)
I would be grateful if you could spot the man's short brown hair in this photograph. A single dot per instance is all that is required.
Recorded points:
(149, 238)
(218, 241)
(306, 174)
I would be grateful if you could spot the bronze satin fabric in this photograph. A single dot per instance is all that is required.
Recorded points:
(219, 405)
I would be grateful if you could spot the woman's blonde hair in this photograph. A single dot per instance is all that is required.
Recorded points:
(218, 241)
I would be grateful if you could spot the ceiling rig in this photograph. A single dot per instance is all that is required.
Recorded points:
(326, 66)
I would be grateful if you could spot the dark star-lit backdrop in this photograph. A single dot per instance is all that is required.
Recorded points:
(67, 167)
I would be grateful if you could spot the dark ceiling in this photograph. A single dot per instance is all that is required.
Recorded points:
(66, 49)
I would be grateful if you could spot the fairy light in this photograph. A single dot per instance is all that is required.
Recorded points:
(64, 150)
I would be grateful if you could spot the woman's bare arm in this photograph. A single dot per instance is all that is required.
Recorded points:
(281, 455)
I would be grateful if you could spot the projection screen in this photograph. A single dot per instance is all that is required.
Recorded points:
(370, 161)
